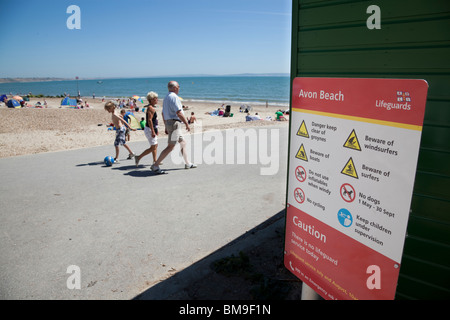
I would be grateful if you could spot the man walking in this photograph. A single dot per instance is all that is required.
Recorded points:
(173, 116)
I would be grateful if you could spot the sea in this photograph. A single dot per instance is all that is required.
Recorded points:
(250, 90)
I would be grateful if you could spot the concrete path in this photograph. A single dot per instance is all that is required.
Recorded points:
(125, 228)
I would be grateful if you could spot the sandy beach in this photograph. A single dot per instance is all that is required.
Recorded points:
(32, 130)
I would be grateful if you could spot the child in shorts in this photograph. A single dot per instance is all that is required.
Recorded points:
(121, 127)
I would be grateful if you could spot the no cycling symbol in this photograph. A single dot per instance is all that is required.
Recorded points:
(299, 195)
(348, 193)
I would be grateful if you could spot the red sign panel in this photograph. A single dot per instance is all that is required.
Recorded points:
(395, 100)
(334, 265)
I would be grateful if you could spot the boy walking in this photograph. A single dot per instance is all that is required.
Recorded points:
(121, 127)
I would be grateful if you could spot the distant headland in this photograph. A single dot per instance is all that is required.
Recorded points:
(9, 80)
(46, 79)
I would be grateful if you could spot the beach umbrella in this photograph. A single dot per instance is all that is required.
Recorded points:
(3, 97)
(138, 98)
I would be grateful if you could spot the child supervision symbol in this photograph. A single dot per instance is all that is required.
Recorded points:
(345, 218)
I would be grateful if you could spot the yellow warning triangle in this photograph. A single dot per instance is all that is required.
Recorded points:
(352, 141)
(303, 131)
(350, 169)
(301, 154)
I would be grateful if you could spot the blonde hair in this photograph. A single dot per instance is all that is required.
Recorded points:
(151, 95)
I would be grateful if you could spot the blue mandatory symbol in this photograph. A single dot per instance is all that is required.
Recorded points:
(345, 218)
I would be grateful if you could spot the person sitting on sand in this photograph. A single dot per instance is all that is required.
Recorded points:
(121, 126)
(249, 117)
(280, 116)
(192, 119)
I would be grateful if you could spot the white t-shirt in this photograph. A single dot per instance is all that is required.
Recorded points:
(171, 105)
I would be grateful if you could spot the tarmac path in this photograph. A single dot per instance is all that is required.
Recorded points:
(123, 227)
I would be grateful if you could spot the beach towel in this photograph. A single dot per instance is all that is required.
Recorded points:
(67, 102)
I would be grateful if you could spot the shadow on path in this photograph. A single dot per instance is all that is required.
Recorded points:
(249, 268)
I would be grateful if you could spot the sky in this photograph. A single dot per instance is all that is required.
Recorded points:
(144, 38)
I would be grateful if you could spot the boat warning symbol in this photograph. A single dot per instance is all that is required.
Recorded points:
(301, 154)
(350, 169)
(352, 142)
(303, 131)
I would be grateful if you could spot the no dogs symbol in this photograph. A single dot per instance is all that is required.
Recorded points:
(348, 193)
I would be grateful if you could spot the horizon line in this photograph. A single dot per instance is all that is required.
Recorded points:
(156, 76)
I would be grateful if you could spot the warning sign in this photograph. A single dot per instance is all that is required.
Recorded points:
(348, 203)
(350, 169)
(301, 154)
(352, 142)
(303, 131)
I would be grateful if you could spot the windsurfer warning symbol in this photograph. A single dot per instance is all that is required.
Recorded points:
(299, 195)
(303, 131)
(350, 169)
(301, 154)
(352, 142)
(348, 193)
(300, 174)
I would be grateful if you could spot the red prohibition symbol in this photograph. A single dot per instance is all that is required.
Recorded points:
(348, 193)
(300, 174)
(299, 195)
